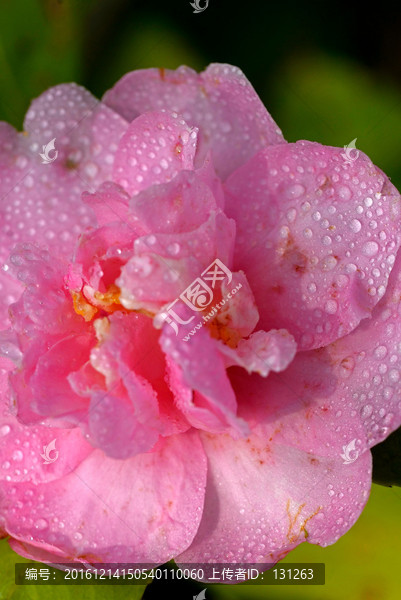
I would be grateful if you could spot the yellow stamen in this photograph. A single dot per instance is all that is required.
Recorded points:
(82, 306)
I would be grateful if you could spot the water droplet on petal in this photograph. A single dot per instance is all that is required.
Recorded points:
(173, 248)
(355, 225)
(380, 351)
(295, 191)
(17, 455)
(366, 411)
(344, 192)
(331, 307)
(370, 248)
(41, 524)
(5, 430)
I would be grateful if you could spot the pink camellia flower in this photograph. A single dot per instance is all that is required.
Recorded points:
(201, 337)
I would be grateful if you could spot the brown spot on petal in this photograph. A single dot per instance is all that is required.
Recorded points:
(222, 332)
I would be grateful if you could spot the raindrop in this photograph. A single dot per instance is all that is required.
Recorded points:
(41, 524)
(17, 455)
(355, 225)
(173, 248)
(344, 192)
(366, 411)
(370, 248)
(295, 191)
(380, 351)
(5, 430)
(331, 307)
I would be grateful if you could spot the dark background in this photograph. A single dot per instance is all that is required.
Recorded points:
(330, 72)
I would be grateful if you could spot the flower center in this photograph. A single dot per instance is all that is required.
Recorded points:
(88, 306)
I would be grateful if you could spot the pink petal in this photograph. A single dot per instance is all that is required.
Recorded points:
(156, 146)
(297, 497)
(10, 291)
(179, 206)
(44, 304)
(87, 132)
(115, 427)
(122, 356)
(345, 393)
(368, 366)
(151, 520)
(164, 265)
(21, 448)
(109, 203)
(232, 120)
(52, 393)
(236, 313)
(262, 352)
(201, 369)
(42, 203)
(316, 240)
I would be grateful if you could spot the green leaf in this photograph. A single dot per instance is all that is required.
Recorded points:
(10, 591)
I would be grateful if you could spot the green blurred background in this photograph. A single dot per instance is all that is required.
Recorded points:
(326, 72)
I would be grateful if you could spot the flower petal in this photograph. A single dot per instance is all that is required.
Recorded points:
(345, 395)
(262, 352)
(316, 238)
(201, 369)
(297, 497)
(150, 520)
(156, 146)
(232, 120)
(86, 131)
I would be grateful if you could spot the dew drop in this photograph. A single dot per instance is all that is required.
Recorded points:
(295, 191)
(366, 411)
(355, 225)
(331, 307)
(5, 430)
(291, 215)
(370, 248)
(380, 351)
(17, 455)
(41, 524)
(173, 248)
(344, 192)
